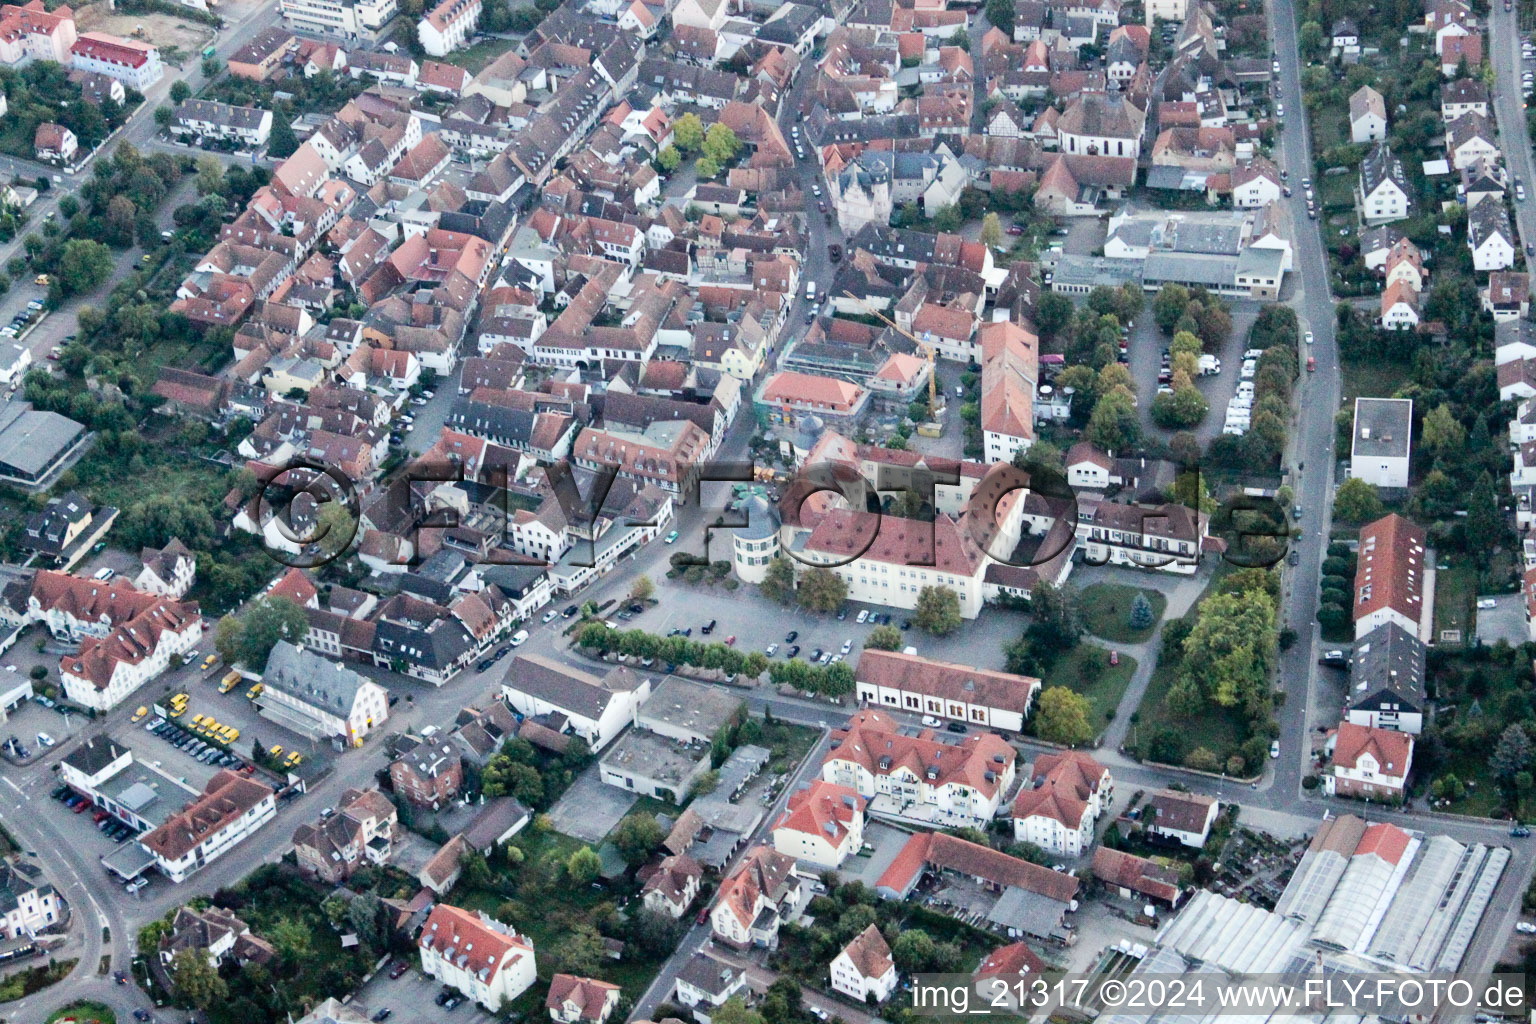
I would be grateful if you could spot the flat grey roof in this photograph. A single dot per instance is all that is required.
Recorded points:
(30, 440)
(653, 757)
(684, 704)
(1383, 427)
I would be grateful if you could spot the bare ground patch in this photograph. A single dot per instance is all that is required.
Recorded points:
(177, 39)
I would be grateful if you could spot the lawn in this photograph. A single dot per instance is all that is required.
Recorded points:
(1455, 600)
(1217, 730)
(1378, 378)
(537, 898)
(86, 1012)
(1103, 692)
(1106, 609)
(474, 58)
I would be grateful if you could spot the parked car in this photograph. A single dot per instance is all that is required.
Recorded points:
(791, 636)
(930, 721)
(793, 650)
(956, 727)
(518, 639)
(398, 968)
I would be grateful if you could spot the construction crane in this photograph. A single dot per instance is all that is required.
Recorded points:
(927, 348)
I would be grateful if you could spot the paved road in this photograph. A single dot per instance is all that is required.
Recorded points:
(1509, 110)
(1312, 440)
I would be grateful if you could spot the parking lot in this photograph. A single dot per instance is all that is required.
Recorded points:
(1146, 347)
(756, 622)
(410, 1000)
(887, 842)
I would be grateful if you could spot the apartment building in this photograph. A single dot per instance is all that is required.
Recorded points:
(982, 697)
(919, 778)
(448, 26)
(476, 955)
(362, 20)
(137, 65)
(230, 809)
(322, 699)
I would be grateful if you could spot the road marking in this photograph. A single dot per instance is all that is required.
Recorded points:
(19, 793)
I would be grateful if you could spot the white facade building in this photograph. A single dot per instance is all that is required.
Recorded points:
(476, 955)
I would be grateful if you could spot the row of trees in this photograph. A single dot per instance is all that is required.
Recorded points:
(816, 590)
(1276, 332)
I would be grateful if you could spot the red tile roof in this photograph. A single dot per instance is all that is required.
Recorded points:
(870, 954)
(1390, 568)
(469, 939)
(940, 852)
(1391, 750)
(226, 798)
(824, 809)
(871, 740)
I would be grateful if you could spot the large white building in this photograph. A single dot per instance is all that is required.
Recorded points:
(476, 955)
(137, 65)
(1383, 441)
(28, 902)
(864, 968)
(126, 636)
(230, 809)
(1010, 370)
(1371, 764)
(448, 26)
(596, 709)
(1384, 194)
(821, 825)
(1101, 124)
(1394, 582)
(1057, 807)
(919, 778)
(319, 698)
(344, 19)
(982, 697)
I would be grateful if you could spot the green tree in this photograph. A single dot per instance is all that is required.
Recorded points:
(210, 175)
(291, 939)
(227, 636)
(336, 528)
(180, 90)
(734, 1011)
(637, 837)
(779, 580)
(282, 141)
(1511, 755)
(581, 952)
(914, 951)
(1142, 615)
(1183, 407)
(721, 144)
(821, 590)
(164, 114)
(583, 865)
(937, 611)
(991, 231)
(668, 159)
(1230, 651)
(706, 167)
(86, 263)
(1485, 524)
(642, 588)
(1357, 501)
(1062, 716)
(1000, 14)
(1114, 425)
(883, 638)
(1310, 39)
(1169, 305)
(1441, 432)
(269, 620)
(194, 980)
(688, 133)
